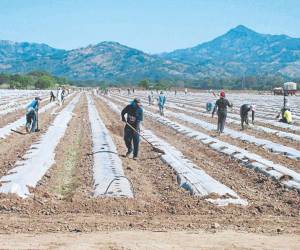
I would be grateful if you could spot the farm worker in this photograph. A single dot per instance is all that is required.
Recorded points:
(286, 116)
(149, 99)
(31, 115)
(245, 108)
(134, 113)
(58, 96)
(161, 102)
(221, 104)
(63, 92)
(52, 96)
(209, 106)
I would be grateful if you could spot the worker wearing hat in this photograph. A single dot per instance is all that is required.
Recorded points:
(221, 105)
(31, 115)
(134, 113)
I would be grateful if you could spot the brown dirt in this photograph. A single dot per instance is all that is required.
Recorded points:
(13, 116)
(15, 145)
(257, 134)
(256, 122)
(63, 201)
(150, 240)
(276, 158)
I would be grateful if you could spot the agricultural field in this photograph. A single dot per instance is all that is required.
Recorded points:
(72, 175)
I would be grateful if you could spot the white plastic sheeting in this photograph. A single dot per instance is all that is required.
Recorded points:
(263, 103)
(109, 177)
(7, 130)
(266, 144)
(14, 100)
(190, 176)
(39, 158)
(291, 127)
(275, 132)
(15, 106)
(236, 121)
(247, 159)
(250, 160)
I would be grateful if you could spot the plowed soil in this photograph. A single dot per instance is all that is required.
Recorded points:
(63, 200)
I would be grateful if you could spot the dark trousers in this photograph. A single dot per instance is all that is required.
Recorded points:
(31, 120)
(221, 121)
(161, 109)
(130, 137)
(244, 119)
(283, 120)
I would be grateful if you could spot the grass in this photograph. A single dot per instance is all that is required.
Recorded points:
(66, 178)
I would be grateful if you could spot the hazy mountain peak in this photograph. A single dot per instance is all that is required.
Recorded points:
(242, 29)
(240, 51)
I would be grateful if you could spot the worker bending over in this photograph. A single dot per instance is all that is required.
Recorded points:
(244, 110)
(31, 115)
(221, 105)
(134, 113)
(286, 116)
(209, 106)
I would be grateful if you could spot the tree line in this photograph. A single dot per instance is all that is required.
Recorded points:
(44, 80)
(32, 80)
(262, 82)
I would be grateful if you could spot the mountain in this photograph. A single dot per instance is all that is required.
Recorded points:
(25, 57)
(240, 52)
(104, 61)
(113, 61)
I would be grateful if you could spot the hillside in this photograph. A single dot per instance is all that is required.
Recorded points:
(242, 51)
(238, 53)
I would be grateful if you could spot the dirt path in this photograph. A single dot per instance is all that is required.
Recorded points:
(71, 175)
(150, 240)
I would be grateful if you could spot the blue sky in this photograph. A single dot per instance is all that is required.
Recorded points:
(152, 26)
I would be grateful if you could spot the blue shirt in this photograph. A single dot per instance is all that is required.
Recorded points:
(161, 100)
(34, 104)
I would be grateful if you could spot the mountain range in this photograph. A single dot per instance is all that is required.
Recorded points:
(239, 52)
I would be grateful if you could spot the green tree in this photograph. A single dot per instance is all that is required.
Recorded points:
(44, 82)
(144, 84)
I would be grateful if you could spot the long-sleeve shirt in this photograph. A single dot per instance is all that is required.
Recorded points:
(161, 100)
(34, 104)
(245, 108)
(134, 115)
(221, 105)
(288, 116)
